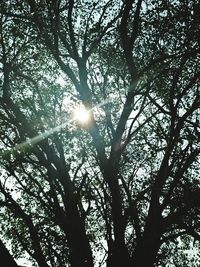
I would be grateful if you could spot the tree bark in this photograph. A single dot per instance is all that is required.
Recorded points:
(80, 251)
(119, 254)
(147, 248)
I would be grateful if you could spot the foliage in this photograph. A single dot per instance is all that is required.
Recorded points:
(126, 183)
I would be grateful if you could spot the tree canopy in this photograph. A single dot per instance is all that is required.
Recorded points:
(120, 187)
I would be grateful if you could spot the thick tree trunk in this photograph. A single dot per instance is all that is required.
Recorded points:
(70, 220)
(80, 255)
(146, 250)
(119, 257)
(6, 259)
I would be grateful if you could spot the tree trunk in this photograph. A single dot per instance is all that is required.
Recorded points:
(119, 257)
(146, 250)
(80, 254)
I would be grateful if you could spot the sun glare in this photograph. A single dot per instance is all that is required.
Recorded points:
(81, 115)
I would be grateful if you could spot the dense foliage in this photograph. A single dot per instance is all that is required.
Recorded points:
(121, 189)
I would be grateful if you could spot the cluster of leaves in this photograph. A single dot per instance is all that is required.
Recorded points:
(125, 183)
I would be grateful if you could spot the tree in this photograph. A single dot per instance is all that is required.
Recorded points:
(122, 188)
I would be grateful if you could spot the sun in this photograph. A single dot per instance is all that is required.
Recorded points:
(81, 115)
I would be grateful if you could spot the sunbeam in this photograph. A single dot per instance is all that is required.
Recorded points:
(80, 115)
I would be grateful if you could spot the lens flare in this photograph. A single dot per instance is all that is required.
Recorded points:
(81, 115)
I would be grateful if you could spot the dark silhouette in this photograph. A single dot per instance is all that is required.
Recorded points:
(123, 188)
